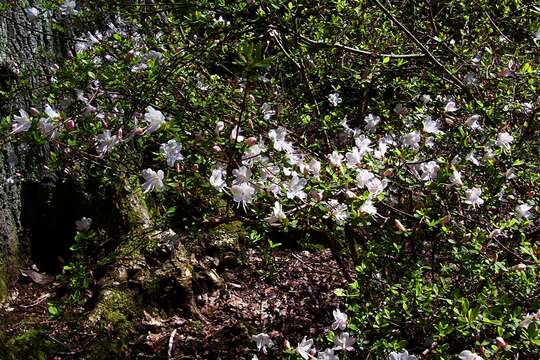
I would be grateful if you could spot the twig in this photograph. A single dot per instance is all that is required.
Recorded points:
(431, 348)
(37, 302)
(171, 342)
(497, 28)
(425, 50)
(354, 50)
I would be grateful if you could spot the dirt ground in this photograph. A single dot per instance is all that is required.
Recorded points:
(291, 298)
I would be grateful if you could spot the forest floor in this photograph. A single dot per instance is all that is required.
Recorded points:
(289, 297)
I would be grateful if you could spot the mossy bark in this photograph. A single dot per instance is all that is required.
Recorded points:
(130, 279)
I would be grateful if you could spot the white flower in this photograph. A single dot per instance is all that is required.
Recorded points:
(522, 211)
(362, 143)
(154, 118)
(277, 214)
(411, 139)
(171, 150)
(469, 79)
(488, 154)
(472, 158)
(345, 124)
(83, 224)
(68, 8)
(354, 157)
(472, 122)
(381, 151)
(344, 342)
(425, 99)
(510, 174)
(450, 106)
(327, 354)
(529, 318)
(105, 142)
(51, 113)
(335, 158)
(274, 189)
(295, 159)
(32, 13)
(278, 138)
(400, 109)
(216, 179)
(20, 123)
(431, 126)
(47, 128)
(376, 186)
(372, 121)
(243, 193)
(504, 140)
(220, 125)
(153, 180)
(267, 111)
(252, 154)
(473, 197)
(334, 99)
(262, 341)
(468, 355)
(536, 36)
(303, 348)
(242, 174)
(314, 167)
(295, 187)
(429, 170)
(338, 211)
(340, 320)
(455, 178)
(202, 85)
(363, 176)
(401, 356)
(368, 208)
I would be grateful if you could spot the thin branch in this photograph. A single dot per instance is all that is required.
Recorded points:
(497, 28)
(354, 50)
(425, 50)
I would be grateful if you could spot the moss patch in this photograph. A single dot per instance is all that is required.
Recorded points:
(226, 237)
(114, 316)
(3, 288)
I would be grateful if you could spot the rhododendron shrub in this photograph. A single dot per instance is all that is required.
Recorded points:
(419, 164)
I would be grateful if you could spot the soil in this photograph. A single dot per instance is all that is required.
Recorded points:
(288, 294)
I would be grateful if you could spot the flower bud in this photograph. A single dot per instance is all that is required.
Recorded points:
(499, 341)
(349, 194)
(287, 344)
(317, 196)
(519, 267)
(251, 141)
(70, 124)
(495, 233)
(216, 148)
(219, 127)
(400, 226)
(35, 112)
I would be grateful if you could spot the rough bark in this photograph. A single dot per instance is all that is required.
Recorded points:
(20, 42)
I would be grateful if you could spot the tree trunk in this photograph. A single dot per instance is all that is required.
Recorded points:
(21, 39)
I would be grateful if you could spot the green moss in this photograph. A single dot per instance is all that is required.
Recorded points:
(33, 344)
(114, 318)
(3, 289)
(226, 237)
